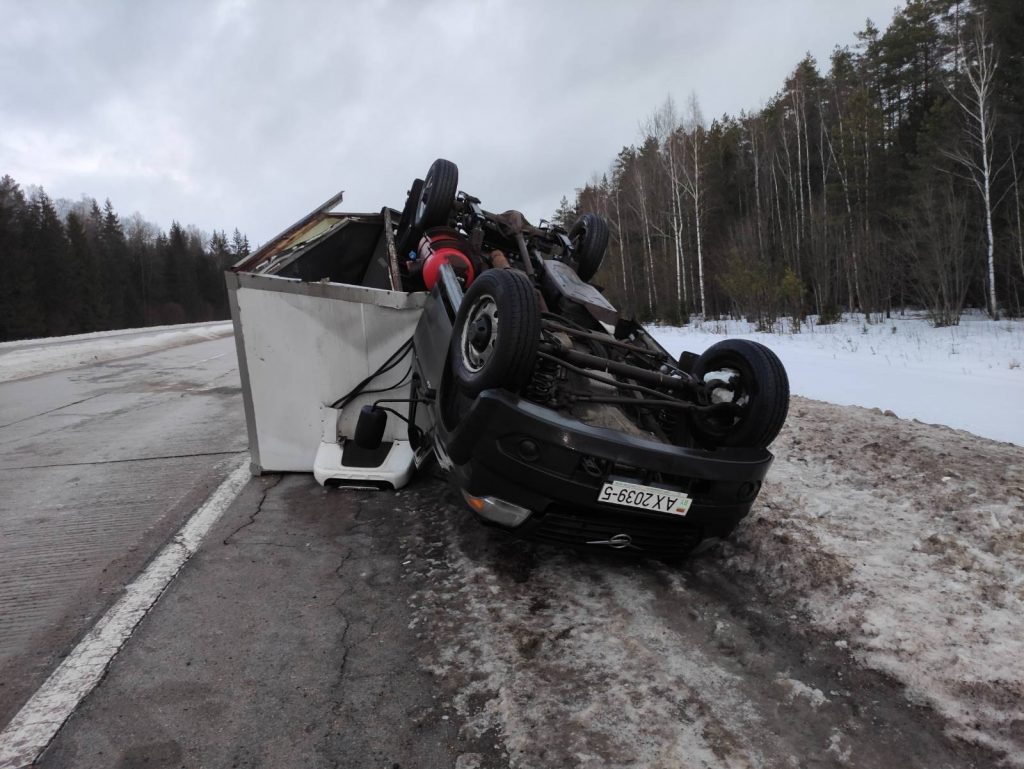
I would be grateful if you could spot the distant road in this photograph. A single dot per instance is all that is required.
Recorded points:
(32, 357)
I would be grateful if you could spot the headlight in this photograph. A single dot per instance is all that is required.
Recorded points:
(497, 510)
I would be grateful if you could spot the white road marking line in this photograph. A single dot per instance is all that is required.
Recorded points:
(31, 730)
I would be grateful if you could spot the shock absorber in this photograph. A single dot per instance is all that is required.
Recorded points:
(542, 384)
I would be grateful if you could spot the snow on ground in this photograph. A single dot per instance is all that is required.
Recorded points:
(572, 664)
(969, 376)
(906, 542)
(901, 543)
(42, 356)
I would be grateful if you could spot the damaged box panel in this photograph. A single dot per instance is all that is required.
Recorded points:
(302, 345)
(315, 314)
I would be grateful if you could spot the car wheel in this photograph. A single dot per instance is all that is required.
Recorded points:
(496, 333)
(437, 196)
(408, 237)
(759, 387)
(590, 240)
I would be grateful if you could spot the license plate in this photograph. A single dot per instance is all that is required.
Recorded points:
(645, 497)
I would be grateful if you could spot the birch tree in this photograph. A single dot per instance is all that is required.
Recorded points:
(832, 184)
(1016, 211)
(693, 183)
(979, 64)
(664, 127)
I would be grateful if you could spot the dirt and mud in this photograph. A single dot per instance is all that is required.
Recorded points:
(867, 614)
(906, 541)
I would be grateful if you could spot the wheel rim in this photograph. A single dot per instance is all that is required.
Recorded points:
(739, 395)
(577, 242)
(421, 207)
(479, 334)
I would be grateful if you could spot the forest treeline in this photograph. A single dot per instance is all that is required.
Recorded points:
(890, 180)
(73, 267)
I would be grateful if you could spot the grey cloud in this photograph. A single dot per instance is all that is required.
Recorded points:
(248, 114)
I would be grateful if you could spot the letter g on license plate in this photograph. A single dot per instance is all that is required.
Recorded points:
(645, 497)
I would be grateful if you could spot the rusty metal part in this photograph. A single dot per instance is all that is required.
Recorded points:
(524, 253)
(541, 300)
(560, 278)
(499, 260)
(394, 274)
(652, 378)
(560, 359)
(301, 230)
(650, 403)
(512, 222)
(604, 339)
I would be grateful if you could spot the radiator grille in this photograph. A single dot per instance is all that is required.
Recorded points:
(649, 534)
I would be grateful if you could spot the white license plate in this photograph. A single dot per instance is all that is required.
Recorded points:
(645, 497)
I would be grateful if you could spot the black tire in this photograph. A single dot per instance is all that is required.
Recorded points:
(590, 240)
(762, 388)
(496, 333)
(408, 237)
(437, 196)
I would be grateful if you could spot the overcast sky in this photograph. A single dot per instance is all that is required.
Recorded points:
(249, 114)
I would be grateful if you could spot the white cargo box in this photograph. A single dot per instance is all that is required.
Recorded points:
(316, 311)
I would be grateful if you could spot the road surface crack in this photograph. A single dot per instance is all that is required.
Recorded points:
(123, 461)
(255, 513)
(345, 646)
(50, 411)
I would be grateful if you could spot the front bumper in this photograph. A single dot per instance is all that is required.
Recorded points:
(532, 456)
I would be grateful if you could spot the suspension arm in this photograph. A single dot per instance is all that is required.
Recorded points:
(559, 359)
(651, 378)
(654, 404)
(551, 325)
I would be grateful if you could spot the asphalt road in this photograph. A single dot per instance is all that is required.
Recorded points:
(357, 629)
(346, 628)
(98, 466)
(285, 642)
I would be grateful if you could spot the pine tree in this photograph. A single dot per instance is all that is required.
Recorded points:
(178, 274)
(239, 245)
(122, 309)
(47, 243)
(565, 215)
(20, 315)
(84, 299)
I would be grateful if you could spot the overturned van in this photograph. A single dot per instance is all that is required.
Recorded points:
(370, 343)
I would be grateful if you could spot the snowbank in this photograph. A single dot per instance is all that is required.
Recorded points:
(42, 356)
(970, 376)
(906, 542)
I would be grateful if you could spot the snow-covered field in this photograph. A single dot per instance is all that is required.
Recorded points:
(969, 376)
(33, 357)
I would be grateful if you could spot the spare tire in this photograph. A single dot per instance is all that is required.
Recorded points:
(437, 196)
(589, 237)
(496, 333)
(760, 388)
